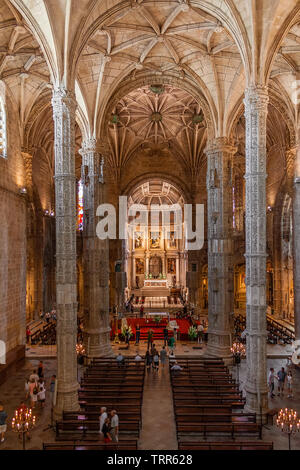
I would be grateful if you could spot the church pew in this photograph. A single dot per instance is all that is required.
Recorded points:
(86, 445)
(94, 415)
(83, 427)
(232, 429)
(219, 418)
(227, 445)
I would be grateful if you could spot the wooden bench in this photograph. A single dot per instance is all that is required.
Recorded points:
(227, 445)
(233, 429)
(86, 445)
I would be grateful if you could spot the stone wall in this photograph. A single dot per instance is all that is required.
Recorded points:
(13, 239)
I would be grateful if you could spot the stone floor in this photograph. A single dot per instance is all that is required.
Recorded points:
(158, 430)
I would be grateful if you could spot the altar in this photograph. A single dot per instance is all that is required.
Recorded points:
(155, 283)
(155, 288)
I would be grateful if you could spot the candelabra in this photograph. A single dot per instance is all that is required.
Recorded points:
(237, 350)
(22, 422)
(289, 422)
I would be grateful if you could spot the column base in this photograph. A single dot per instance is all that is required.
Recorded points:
(254, 405)
(219, 346)
(98, 344)
(66, 401)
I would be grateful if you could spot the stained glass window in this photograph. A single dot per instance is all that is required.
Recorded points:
(80, 206)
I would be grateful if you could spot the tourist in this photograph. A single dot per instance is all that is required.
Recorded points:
(28, 335)
(172, 343)
(102, 418)
(155, 360)
(27, 382)
(127, 336)
(281, 376)
(114, 426)
(41, 370)
(290, 384)
(47, 317)
(153, 348)
(138, 358)
(142, 311)
(137, 334)
(106, 431)
(176, 367)
(148, 359)
(163, 356)
(34, 376)
(166, 334)
(131, 309)
(52, 389)
(42, 393)
(3, 418)
(150, 338)
(200, 330)
(33, 392)
(271, 380)
(289, 364)
(120, 360)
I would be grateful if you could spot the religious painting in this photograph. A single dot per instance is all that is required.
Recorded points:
(154, 240)
(171, 240)
(139, 266)
(138, 240)
(155, 266)
(171, 265)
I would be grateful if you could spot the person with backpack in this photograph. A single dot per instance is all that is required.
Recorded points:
(33, 392)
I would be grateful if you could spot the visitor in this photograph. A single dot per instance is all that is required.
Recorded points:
(52, 389)
(33, 392)
(153, 348)
(42, 394)
(172, 343)
(105, 430)
(148, 359)
(150, 338)
(200, 330)
(137, 334)
(27, 382)
(120, 360)
(34, 376)
(127, 336)
(166, 334)
(131, 309)
(176, 367)
(28, 335)
(171, 354)
(289, 364)
(163, 356)
(281, 376)
(41, 370)
(290, 384)
(271, 380)
(114, 426)
(102, 418)
(138, 358)
(3, 418)
(142, 311)
(155, 360)
(47, 317)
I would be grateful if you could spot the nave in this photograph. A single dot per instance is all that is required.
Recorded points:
(152, 421)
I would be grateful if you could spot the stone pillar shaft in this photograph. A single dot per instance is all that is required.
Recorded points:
(95, 257)
(64, 106)
(220, 246)
(256, 108)
(296, 246)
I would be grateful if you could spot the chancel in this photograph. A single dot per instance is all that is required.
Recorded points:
(150, 209)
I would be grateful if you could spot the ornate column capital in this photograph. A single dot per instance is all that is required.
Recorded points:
(220, 144)
(63, 98)
(256, 97)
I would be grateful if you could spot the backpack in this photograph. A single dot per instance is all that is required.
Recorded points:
(35, 391)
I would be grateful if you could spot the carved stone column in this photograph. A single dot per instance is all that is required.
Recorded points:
(95, 256)
(64, 106)
(220, 246)
(256, 109)
(296, 243)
